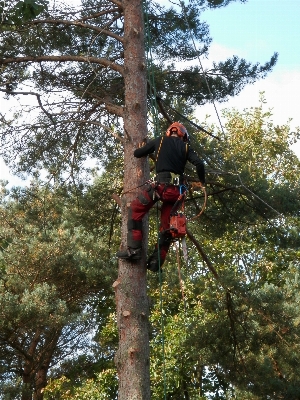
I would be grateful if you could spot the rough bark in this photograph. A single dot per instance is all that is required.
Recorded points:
(28, 367)
(36, 364)
(42, 371)
(132, 358)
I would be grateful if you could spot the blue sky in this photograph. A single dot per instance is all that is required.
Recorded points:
(255, 30)
(258, 28)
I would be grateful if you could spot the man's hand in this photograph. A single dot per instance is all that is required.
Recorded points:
(144, 142)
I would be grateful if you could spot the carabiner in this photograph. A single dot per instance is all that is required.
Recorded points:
(182, 189)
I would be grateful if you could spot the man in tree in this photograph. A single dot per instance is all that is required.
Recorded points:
(171, 154)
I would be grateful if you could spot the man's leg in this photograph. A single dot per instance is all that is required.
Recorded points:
(169, 196)
(157, 258)
(138, 209)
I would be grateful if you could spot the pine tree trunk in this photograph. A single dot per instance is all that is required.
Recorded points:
(26, 390)
(41, 383)
(132, 358)
(34, 372)
(51, 339)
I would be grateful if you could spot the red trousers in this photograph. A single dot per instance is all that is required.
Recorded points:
(166, 193)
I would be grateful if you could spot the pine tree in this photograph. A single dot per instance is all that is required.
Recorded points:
(94, 61)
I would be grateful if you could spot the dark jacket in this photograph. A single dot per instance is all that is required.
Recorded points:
(173, 154)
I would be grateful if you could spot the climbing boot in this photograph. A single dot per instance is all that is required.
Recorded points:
(130, 254)
(153, 264)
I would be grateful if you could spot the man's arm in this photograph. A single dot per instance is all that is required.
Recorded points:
(145, 150)
(193, 158)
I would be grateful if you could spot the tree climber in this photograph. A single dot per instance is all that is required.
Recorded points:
(171, 154)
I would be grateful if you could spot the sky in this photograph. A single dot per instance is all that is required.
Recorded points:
(253, 30)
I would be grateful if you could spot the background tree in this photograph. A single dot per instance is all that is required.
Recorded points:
(239, 313)
(17, 12)
(77, 53)
(235, 333)
(93, 60)
(52, 267)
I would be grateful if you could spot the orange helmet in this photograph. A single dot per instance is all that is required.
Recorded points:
(179, 129)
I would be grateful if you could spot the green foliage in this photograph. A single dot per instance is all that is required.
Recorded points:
(21, 11)
(102, 387)
(235, 336)
(231, 337)
(83, 120)
(53, 269)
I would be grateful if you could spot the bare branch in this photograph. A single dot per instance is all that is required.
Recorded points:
(99, 14)
(77, 23)
(203, 254)
(102, 61)
(110, 107)
(116, 136)
(117, 199)
(38, 96)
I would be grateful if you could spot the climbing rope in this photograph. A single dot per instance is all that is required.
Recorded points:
(199, 184)
(161, 309)
(217, 113)
(180, 277)
(150, 71)
(154, 111)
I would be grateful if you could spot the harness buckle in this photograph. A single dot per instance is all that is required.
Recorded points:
(175, 179)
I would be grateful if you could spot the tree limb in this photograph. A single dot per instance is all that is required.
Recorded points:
(96, 60)
(38, 96)
(80, 24)
(202, 253)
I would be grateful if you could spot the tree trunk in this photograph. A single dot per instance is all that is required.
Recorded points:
(26, 389)
(28, 375)
(35, 372)
(41, 382)
(132, 358)
(50, 344)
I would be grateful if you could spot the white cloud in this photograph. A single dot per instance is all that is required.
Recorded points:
(282, 93)
(281, 88)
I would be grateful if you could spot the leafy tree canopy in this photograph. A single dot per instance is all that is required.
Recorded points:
(54, 275)
(238, 321)
(63, 74)
(18, 12)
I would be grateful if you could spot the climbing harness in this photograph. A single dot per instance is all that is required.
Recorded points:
(136, 187)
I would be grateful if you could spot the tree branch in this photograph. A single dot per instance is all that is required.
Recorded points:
(96, 60)
(38, 96)
(116, 136)
(99, 14)
(202, 253)
(78, 23)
